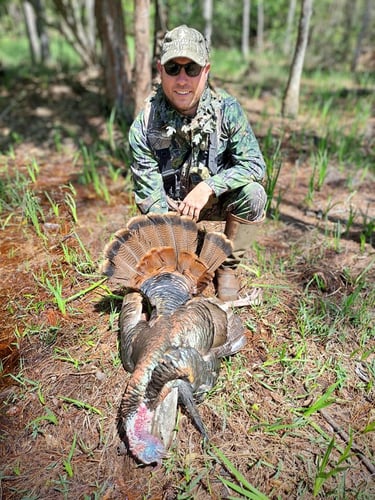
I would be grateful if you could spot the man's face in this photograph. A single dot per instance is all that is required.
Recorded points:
(183, 91)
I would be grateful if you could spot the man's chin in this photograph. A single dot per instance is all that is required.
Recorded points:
(185, 109)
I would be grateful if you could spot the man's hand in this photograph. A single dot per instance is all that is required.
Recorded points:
(194, 201)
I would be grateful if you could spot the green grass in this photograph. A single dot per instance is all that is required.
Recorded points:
(13, 188)
(223, 62)
(241, 486)
(14, 52)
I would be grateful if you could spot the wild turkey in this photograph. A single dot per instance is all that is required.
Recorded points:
(171, 336)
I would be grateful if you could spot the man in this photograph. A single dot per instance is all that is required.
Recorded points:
(194, 151)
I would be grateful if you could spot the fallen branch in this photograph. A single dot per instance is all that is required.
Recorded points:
(85, 291)
(345, 436)
(253, 298)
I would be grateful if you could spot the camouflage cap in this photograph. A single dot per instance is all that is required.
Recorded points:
(184, 42)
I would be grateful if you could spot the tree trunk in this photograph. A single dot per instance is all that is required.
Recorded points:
(245, 28)
(291, 96)
(115, 59)
(289, 26)
(17, 15)
(207, 16)
(142, 53)
(41, 31)
(76, 26)
(160, 27)
(362, 33)
(260, 26)
(32, 32)
(348, 24)
(91, 24)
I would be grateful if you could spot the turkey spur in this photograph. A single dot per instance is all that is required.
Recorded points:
(171, 336)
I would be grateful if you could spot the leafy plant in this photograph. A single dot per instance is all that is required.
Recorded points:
(323, 473)
(48, 417)
(272, 157)
(91, 174)
(64, 355)
(33, 212)
(67, 462)
(241, 486)
(71, 203)
(33, 170)
(81, 404)
(320, 162)
(56, 288)
(55, 206)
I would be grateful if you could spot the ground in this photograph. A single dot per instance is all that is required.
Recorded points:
(293, 413)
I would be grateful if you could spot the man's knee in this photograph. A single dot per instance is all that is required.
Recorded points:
(253, 201)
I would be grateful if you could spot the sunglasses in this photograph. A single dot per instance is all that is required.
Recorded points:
(191, 69)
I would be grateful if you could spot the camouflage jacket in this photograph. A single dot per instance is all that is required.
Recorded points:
(172, 153)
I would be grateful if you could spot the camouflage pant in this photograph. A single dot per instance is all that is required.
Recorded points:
(247, 202)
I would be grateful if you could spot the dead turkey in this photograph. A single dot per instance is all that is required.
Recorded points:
(171, 336)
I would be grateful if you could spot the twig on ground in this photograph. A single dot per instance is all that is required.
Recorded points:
(345, 436)
(254, 298)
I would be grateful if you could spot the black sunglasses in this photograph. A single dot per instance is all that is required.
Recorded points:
(191, 68)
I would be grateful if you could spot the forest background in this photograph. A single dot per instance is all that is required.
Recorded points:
(292, 416)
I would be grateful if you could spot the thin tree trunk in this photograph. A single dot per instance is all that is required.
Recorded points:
(73, 27)
(142, 53)
(160, 27)
(116, 63)
(207, 16)
(289, 26)
(91, 24)
(245, 28)
(260, 26)
(41, 30)
(17, 16)
(291, 97)
(349, 9)
(362, 33)
(32, 32)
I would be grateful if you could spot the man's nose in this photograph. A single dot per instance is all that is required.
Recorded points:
(182, 76)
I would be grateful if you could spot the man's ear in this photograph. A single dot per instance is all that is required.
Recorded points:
(158, 65)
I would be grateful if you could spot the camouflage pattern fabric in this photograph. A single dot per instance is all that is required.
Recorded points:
(247, 202)
(161, 136)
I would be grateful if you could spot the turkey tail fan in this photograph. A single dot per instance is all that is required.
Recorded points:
(190, 265)
(178, 231)
(216, 248)
(120, 261)
(155, 261)
(149, 243)
(185, 233)
(155, 243)
(147, 230)
(122, 246)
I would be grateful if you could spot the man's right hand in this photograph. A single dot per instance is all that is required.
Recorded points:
(194, 201)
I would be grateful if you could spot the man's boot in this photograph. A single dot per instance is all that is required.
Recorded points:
(242, 233)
